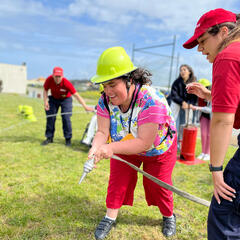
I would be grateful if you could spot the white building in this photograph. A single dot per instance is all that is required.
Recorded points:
(13, 78)
(35, 87)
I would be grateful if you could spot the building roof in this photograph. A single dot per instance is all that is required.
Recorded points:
(36, 81)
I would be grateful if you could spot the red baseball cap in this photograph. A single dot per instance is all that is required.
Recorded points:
(57, 71)
(207, 20)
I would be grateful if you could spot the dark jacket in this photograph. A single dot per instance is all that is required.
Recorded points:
(179, 93)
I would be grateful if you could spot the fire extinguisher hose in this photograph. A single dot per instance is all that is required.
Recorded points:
(165, 185)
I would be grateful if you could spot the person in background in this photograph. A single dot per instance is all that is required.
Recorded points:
(204, 107)
(217, 35)
(141, 128)
(61, 91)
(1, 85)
(180, 99)
(168, 97)
(91, 128)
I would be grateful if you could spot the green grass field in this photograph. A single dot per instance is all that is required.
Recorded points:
(39, 193)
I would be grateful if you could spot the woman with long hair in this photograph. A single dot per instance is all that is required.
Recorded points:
(217, 35)
(180, 99)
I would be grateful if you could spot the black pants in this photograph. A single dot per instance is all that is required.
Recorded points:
(224, 219)
(66, 106)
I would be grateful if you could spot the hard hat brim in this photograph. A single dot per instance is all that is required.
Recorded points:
(97, 79)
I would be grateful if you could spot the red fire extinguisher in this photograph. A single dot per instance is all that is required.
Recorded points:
(188, 141)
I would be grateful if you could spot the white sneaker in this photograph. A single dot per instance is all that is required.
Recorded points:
(206, 157)
(201, 156)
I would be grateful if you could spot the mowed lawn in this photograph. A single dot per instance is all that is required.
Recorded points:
(39, 193)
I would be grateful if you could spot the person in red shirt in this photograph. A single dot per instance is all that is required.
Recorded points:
(217, 35)
(61, 92)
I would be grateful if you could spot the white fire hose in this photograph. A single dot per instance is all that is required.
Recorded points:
(88, 167)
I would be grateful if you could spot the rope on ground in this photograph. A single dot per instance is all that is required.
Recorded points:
(15, 125)
(66, 113)
(165, 185)
(27, 121)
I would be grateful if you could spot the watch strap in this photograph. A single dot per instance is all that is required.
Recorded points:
(215, 169)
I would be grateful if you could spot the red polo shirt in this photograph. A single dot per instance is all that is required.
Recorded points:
(226, 82)
(59, 91)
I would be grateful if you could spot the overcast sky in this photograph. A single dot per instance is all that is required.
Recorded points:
(73, 33)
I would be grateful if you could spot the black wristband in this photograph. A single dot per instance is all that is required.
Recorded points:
(215, 169)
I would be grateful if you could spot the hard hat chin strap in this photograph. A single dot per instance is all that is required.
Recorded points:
(128, 83)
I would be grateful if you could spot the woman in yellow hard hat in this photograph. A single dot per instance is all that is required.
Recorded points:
(141, 128)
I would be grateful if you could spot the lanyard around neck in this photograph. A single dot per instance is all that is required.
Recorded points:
(133, 104)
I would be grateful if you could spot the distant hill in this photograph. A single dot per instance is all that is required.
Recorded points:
(83, 84)
(80, 81)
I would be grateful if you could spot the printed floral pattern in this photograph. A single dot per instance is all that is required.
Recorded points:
(150, 106)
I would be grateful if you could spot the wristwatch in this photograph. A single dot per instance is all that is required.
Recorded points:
(215, 169)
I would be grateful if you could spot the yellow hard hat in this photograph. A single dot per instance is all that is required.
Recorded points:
(27, 110)
(31, 118)
(113, 63)
(20, 107)
(204, 82)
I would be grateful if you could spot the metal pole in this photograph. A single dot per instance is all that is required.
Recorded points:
(177, 72)
(133, 49)
(171, 63)
(156, 46)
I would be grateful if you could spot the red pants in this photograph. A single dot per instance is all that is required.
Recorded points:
(123, 179)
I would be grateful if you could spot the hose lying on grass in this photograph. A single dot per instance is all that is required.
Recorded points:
(165, 185)
(154, 179)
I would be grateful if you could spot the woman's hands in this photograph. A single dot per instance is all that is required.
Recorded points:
(46, 105)
(89, 109)
(103, 152)
(194, 108)
(199, 90)
(221, 189)
(184, 105)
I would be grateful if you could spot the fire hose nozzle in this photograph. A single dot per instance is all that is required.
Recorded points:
(88, 167)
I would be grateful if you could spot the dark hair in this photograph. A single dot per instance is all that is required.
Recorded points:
(191, 78)
(140, 75)
(215, 29)
(234, 31)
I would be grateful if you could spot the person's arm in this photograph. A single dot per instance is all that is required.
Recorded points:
(82, 102)
(175, 94)
(206, 109)
(101, 135)
(220, 132)
(199, 90)
(184, 105)
(146, 135)
(45, 99)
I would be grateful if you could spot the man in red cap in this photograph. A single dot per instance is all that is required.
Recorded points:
(217, 35)
(61, 91)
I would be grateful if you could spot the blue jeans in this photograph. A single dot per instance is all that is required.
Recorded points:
(180, 121)
(66, 106)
